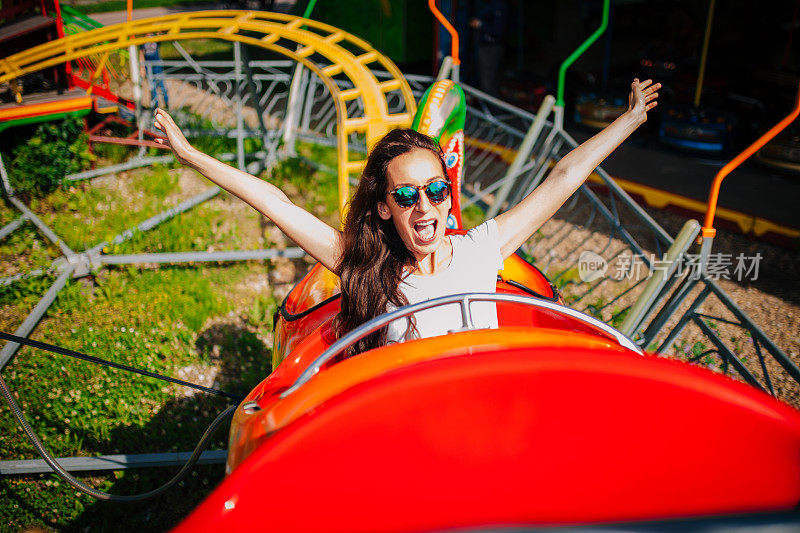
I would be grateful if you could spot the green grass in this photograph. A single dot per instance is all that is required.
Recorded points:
(88, 213)
(595, 308)
(196, 230)
(698, 348)
(156, 320)
(130, 318)
(323, 155)
(197, 48)
(315, 190)
(164, 319)
(112, 154)
(618, 317)
(472, 216)
(7, 213)
(28, 249)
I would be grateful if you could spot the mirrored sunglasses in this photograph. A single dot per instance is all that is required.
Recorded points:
(408, 195)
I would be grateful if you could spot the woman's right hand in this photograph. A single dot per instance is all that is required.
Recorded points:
(174, 140)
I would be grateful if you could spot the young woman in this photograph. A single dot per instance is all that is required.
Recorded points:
(393, 249)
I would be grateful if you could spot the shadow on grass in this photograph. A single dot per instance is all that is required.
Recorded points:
(241, 360)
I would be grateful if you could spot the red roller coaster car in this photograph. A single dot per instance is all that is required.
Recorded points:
(553, 418)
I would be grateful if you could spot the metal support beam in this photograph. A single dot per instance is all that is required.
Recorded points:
(12, 226)
(186, 257)
(675, 300)
(158, 219)
(507, 179)
(311, 88)
(552, 144)
(670, 307)
(488, 98)
(783, 359)
(7, 189)
(523, 154)
(294, 105)
(196, 67)
(652, 293)
(110, 462)
(727, 355)
(444, 71)
(136, 162)
(44, 228)
(268, 146)
(629, 202)
(133, 58)
(614, 222)
(38, 312)
(237, 59)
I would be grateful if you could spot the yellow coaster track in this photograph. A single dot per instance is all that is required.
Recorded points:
(325, 50)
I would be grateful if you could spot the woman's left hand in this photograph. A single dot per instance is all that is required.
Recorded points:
(642, 98)
(174, 138)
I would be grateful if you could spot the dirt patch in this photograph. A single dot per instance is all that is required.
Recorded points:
(205, 375)
(190, 183)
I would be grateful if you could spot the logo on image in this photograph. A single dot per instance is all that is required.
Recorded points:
(591, 266)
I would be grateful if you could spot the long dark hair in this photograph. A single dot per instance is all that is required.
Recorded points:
(373, 255)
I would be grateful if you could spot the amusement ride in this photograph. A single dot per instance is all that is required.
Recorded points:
(554, 418)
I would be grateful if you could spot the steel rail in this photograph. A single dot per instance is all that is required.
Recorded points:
(197, 257)
(41, 226)
(120, 461)
(136, 162)
(464, 301)
(35, 315)
(12, 226)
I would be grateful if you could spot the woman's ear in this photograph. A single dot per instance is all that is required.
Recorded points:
(383, 211)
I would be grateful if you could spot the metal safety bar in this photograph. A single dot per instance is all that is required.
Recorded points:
(464, 301)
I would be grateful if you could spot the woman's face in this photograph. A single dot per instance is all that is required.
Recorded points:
(422, 226)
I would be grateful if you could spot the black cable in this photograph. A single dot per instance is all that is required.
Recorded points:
(289, 317)
(97, 360)
(532, 292)
(86, 489)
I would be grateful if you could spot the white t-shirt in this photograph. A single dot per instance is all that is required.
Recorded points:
(473, 268)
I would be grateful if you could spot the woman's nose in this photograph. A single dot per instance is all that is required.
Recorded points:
(423, 203)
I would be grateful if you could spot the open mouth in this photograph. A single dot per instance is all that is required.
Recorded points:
(426, 230)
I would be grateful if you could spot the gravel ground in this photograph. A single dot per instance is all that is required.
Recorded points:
(771, 300)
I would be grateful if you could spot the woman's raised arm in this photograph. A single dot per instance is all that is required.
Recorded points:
(318, 239)
(520, 222)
